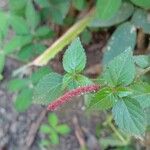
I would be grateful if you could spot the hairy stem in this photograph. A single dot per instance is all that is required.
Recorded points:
(69, 95)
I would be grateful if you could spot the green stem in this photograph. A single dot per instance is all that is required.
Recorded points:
(143, 72)
(64, 40)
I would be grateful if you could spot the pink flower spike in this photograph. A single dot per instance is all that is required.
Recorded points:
(69, 95)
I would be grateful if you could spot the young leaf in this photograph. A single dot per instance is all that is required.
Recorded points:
(38, 74)
(141, 92)
(74, 59)
(17, 84)
(45, 129)
(19, 24)
(125, 11)
(48, 89)
(142, 61)
(32, 16)
(16, 43)
(129, 116)
(74, 81)
(103, 99)
(53, 119)
(105, 9)
(54, 138)
(122, 39)
(121, 70)
(62, 129)
(79, 4)
(142, 3)
(23, 100)
(140, 19)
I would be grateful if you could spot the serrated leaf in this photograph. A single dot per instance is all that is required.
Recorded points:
(44, 32)
(79, 4)
(18, 24)
(2, 61)
(62, 129)
(103, 99)
(142, 61)
(73, 81)
(74, 59)
(45, 129)
(107, 9)
(38, 74)
(23, 100)
(121, 70)
(15, 85)
(53, 120)
(32, 16)
(125, 11)
(141, 92)
(16, 43)
(54, 138)
(129, 116)
(48, 89)
(122, 39)
(141, 19)
(142, 3)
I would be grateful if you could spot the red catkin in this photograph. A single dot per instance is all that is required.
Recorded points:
(69, 95)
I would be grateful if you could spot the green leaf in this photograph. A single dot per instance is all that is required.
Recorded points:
(19, 24)
(129, 116)
(53, 119)
(73, 81)
(16, 5)
(125, 11)
(44, 32)
(122, 39)
(45, 129)
(74, 59)
(16, 43)
(141, 92)
(140, 19)
(54, 138)
(48, 89)
(42, 3)
(103, 99)
(147, 112)
(38, 74)
(32, 16)
(3, 25)
(142, 61)
(105, 9)
(63, 129)
(29, 51)
(23, 100)
(17, 84)
(2, 61)
(121, 70)
(86, 37)
(44, 143)
(79, 4)
(142, 3)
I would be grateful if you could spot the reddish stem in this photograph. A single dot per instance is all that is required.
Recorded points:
(69, 95)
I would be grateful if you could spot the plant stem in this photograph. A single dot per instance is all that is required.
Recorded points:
(64, 40)
(143, 72)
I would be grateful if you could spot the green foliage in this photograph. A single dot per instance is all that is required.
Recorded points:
(129, 116)
(107, 9)
(2, 63)
(86, 37)
(74, 59)
(53, 130)
(122, 39)
(79, 4)
(141, 20)
(48, 89)
(143, 3)
(125, 11)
